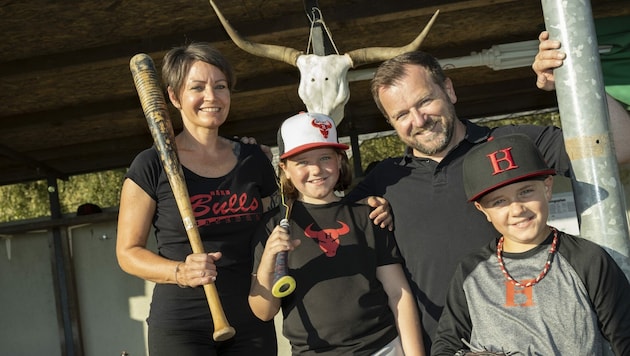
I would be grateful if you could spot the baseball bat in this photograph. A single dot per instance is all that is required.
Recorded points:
(283, 284)
(156, 113)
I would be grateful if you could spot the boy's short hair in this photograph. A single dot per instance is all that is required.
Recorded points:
(501, 161)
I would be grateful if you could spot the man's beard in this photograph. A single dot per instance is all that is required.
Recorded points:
(440, 142)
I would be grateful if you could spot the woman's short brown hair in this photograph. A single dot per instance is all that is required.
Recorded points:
(177, 63)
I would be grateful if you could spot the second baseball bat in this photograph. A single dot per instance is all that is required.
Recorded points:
(156, 113)
(283, 284)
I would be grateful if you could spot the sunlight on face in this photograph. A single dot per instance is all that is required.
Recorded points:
(314, 174)
(519, 211)
(421, 112)
(205, 96)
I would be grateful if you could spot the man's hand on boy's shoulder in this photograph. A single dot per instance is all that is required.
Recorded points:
(381, 213)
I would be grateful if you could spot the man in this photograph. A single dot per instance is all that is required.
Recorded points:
(435, 227)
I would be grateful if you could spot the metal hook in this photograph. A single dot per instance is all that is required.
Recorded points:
(7, 242)
(318, 19)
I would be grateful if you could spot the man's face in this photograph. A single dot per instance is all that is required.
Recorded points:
(421, 112)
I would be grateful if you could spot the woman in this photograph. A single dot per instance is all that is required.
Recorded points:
(230, 184)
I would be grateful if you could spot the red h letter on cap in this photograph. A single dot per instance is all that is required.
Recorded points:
(495, 160)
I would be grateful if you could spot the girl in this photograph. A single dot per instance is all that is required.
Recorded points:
(351, 293)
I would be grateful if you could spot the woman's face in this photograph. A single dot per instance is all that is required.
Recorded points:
(204, 100)
(314, 173)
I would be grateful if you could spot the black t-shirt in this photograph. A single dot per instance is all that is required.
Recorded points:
(435, 226)
(339, 307)
(227, 211)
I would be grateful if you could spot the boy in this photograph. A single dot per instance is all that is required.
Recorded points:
(535, 290)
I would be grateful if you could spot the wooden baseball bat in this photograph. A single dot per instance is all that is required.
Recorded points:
(156, 113)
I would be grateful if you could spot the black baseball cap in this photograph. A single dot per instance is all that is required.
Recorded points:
(501, 161)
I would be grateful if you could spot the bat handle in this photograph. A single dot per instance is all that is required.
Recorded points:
(283, 284)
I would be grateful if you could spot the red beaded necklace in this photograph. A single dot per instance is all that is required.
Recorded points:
(542, 274)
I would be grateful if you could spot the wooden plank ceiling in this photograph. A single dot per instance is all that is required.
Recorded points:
(68, 104)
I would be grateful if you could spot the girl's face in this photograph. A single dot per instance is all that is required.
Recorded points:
(519, 211)
(314, 174)
(204, 100)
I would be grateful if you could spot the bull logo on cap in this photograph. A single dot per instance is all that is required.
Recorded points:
(323, 126)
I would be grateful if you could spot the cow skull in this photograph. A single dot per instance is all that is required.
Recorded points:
(323, 84)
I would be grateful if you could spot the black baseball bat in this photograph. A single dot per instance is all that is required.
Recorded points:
(283, 284)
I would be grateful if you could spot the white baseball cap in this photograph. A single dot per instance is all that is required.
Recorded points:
(306, 131)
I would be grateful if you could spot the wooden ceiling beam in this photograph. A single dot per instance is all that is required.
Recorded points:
(26, 160)
(289, 26)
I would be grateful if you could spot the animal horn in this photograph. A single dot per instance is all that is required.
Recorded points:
(280, 53)
(378, 54)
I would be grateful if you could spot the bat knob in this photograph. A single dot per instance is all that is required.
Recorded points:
(223, 334)
(284, 286)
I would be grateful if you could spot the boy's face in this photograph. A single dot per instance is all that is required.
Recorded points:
(314, 173)
(519, 211)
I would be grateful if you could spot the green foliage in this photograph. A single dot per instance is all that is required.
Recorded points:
(542, 119)
(31, 200)
(24, 201)
(101, 188)
(376, 149)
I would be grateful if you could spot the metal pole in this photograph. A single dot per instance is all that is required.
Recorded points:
(584, 114)
(63, 280)
(356, 154)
